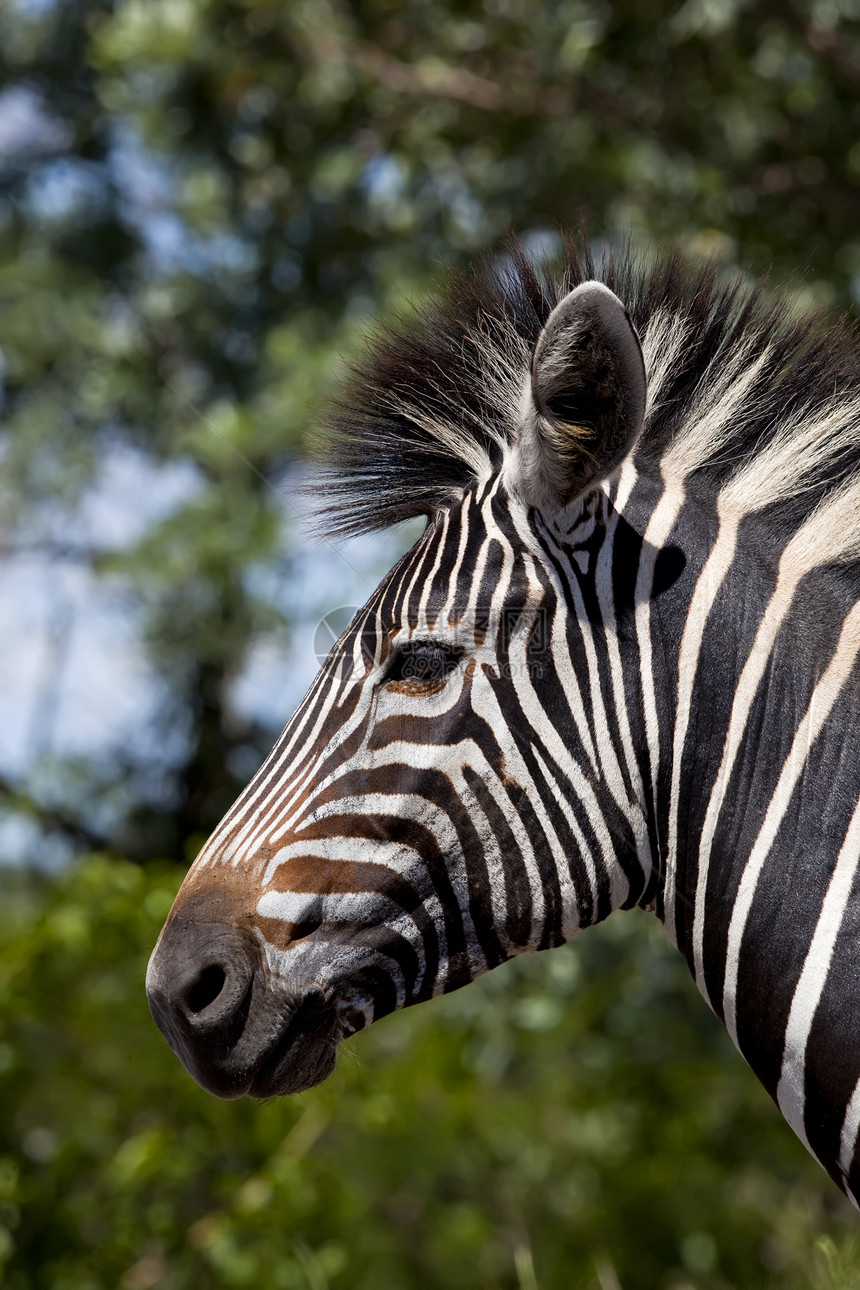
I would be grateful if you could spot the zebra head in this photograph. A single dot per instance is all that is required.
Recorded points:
(620, 667)
(415, 824)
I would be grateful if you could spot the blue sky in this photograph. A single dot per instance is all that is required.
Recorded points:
(74, 677)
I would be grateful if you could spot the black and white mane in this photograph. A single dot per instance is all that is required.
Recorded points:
(737, 382)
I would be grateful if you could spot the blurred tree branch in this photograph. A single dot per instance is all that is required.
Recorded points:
(53, 550)
(509, 91)
(54, 819)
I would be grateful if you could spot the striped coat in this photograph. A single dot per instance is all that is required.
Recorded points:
(618, 668)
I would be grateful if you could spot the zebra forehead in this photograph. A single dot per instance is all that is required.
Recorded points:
(735, 378)
(476, 559)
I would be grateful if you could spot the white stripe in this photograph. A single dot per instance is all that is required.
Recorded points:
(791, 1091)
(823, 698)
(403, 859)
(561, 792)
(606, 600)
(609, 764)
(705, 593)
(745, 692)
(848, 1136)
(660, 525)
(423, 625)
(561, 646)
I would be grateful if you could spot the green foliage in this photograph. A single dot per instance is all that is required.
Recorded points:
(210, 197)
(574, 1119)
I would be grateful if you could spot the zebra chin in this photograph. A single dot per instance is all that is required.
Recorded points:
(289, 1050)
(238, 1029)
(303, 1056)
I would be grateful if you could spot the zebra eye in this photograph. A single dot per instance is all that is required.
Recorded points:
(422, 663)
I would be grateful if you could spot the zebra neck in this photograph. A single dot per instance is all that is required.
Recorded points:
(759, 813)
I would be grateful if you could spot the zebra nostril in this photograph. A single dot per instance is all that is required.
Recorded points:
(306, 927)
(203, 992)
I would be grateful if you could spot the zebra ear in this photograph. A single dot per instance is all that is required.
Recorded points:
(584, 403)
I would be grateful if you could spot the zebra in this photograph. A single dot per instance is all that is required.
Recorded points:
(618, 668)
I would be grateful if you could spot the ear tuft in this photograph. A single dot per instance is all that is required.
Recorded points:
(585, 401)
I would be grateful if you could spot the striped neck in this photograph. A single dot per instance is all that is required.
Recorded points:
(756, 787)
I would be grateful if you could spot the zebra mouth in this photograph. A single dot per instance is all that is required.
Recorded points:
(237, 1030)
(303, 1054)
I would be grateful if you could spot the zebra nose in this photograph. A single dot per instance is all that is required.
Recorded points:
(199, 982)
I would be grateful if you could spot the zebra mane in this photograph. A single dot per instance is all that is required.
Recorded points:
(742, 391)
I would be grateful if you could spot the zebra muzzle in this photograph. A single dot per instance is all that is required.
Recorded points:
(235, 1027)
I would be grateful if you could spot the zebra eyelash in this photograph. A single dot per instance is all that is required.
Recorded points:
(422, 662)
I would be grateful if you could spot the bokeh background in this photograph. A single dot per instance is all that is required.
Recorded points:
(203, 203)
